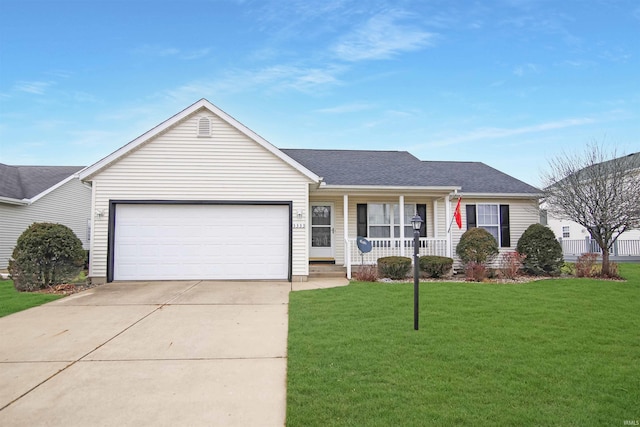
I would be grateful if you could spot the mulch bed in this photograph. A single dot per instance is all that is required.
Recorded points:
(66, 289)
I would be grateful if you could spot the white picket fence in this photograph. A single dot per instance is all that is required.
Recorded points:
(577, 247)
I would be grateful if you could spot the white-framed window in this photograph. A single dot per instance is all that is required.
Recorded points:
(565, 232)
(382, 218)
(489, 218)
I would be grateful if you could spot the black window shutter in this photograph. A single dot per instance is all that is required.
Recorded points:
(505, 237)
(362, 219)
(422, 211)
(471, 216)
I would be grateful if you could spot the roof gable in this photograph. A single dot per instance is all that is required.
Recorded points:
(169, 123)
(29, 183)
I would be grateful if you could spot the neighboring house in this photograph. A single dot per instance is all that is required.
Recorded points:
(576, 240)
(201, 196)
(31, 194)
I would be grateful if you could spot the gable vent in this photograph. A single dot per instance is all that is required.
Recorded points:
(204, 126)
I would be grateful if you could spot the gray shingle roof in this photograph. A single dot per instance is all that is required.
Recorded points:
(26, 182)
(400, 168)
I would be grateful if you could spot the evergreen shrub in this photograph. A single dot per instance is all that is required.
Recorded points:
(46, 254)
(435, 266)
(394, 267)
(543, 252)
(477, 245)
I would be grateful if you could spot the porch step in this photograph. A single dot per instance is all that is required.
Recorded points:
(326, 270)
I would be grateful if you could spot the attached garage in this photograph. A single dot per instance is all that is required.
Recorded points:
(199, 241)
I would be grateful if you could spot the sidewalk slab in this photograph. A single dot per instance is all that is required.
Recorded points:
(320, 283)
(203, 331)
(247, 392)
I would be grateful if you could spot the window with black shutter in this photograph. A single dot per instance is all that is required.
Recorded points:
(493, 218)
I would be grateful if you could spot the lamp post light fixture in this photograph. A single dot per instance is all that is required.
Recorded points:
(416, 223)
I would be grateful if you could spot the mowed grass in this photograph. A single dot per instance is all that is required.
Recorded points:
(12, 301)
(553, 352)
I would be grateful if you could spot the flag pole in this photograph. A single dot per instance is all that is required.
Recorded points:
(454, 214)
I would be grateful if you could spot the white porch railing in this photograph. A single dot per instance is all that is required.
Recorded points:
(383, 247)
(576, 247)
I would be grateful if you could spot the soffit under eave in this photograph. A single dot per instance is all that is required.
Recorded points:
(436, 192)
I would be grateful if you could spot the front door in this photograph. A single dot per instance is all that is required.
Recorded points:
(321, 231)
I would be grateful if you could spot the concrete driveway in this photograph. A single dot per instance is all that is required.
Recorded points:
(190, 353)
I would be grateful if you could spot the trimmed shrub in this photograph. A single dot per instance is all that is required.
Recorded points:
(543, 252)
(46, 254)
(366, 273)
(586, 265)
(475, 271)
(568, 269)
(435, 266)
(510, 264)
(476, 245)
(394, 267)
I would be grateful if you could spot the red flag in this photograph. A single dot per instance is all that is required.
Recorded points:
(457, 215)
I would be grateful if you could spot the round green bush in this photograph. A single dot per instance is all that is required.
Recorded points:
(394, 267)
(543, 252)
(46, 254)
(476, 245)
(435, 266)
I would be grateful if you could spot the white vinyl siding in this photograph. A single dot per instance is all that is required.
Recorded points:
(178, 165)
(69, 204)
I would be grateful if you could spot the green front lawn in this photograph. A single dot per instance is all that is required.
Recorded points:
(553, 352)
(12, 301)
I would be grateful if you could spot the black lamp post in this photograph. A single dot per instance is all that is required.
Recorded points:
(416, 222)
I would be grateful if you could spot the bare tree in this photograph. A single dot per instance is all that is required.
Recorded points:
(599, 191)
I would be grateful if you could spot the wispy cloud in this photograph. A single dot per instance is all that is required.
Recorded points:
(301, 18)
(494, 133)
(93, 138)
(383, 36)
(346, 108)
(36, 87)
(196, 54)
(164, 52)
(521, 70)
(268, 79)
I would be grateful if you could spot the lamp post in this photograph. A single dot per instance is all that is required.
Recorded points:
(416, 222)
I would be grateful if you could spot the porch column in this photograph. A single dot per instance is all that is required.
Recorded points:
(346, 244)
(435, 218)
(401, 206)
(447, 215)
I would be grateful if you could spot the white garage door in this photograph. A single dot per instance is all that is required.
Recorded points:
(169, 242)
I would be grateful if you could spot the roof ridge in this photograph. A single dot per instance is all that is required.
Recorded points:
(348, 149)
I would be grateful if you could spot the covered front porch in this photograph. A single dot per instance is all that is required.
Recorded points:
(337, 219)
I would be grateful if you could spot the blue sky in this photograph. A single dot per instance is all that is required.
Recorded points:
(510, 83)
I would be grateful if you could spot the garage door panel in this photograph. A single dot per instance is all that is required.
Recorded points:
(156, 242)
